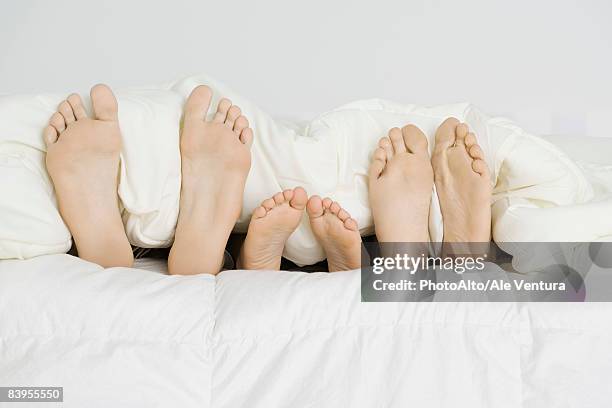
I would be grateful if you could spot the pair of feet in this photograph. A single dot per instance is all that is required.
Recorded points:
(83, 155)
(275, 220)
(402, 177)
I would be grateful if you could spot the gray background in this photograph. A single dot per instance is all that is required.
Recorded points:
(546, 64)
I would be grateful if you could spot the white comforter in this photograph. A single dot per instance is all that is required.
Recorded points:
(132, 338)
(540, 194)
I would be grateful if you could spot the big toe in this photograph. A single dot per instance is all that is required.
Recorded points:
(415, 139)
(104, 103)
(445, 135)
(314, 208)
(198, 103)
(299, 199)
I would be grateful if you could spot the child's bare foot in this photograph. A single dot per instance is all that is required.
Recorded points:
(337, 232)
(215, 162)
(400, 184)
(463, 184)
(83, 162)
(271, 225)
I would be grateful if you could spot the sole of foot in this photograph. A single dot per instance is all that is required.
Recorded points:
(83, 163)
(400, 186)
(271, 225)
(463, 184)
(337, 232)
(215, 162)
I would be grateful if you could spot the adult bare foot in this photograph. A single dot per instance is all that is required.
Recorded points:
(337, 232)
(400, 186)
(271, 225)
(215, 162)
(83, 162)
(463, 184)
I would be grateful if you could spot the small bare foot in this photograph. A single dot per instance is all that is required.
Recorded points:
(337, 232)
(400, 185)
(215, 162)
(83, 162)
(271, 225)
(463, 184)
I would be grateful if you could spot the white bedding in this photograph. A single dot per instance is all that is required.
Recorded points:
(540, 193)
(131, 338)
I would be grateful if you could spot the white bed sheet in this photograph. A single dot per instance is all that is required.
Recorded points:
(130, 338)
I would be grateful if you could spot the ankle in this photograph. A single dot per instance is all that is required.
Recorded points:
(186, 265)
(108, 256)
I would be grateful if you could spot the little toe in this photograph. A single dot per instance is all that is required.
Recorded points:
(66, 110)
(299, 199)
(198, 103)
(241, 124)
(378, 163)
(77, 106)
(415, 139)
(58, 122)
(232, 114)
(397, 141)
(461, 132)
(246, 137)
(314, 207)
(104, 103)
(385, 143)
(445, 135)
(222, 108)
(50, 135)
(480, 167)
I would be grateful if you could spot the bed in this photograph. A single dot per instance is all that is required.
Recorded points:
(132, 337)
(138, 337)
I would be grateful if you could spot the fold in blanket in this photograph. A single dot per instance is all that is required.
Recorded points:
(539, 193)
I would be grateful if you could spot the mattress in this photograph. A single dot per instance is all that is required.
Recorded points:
(134, 338)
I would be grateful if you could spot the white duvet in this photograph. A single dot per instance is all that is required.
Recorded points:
(540, 194)
(131, 338)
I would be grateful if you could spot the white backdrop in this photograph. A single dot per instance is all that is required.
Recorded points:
(546, 64)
